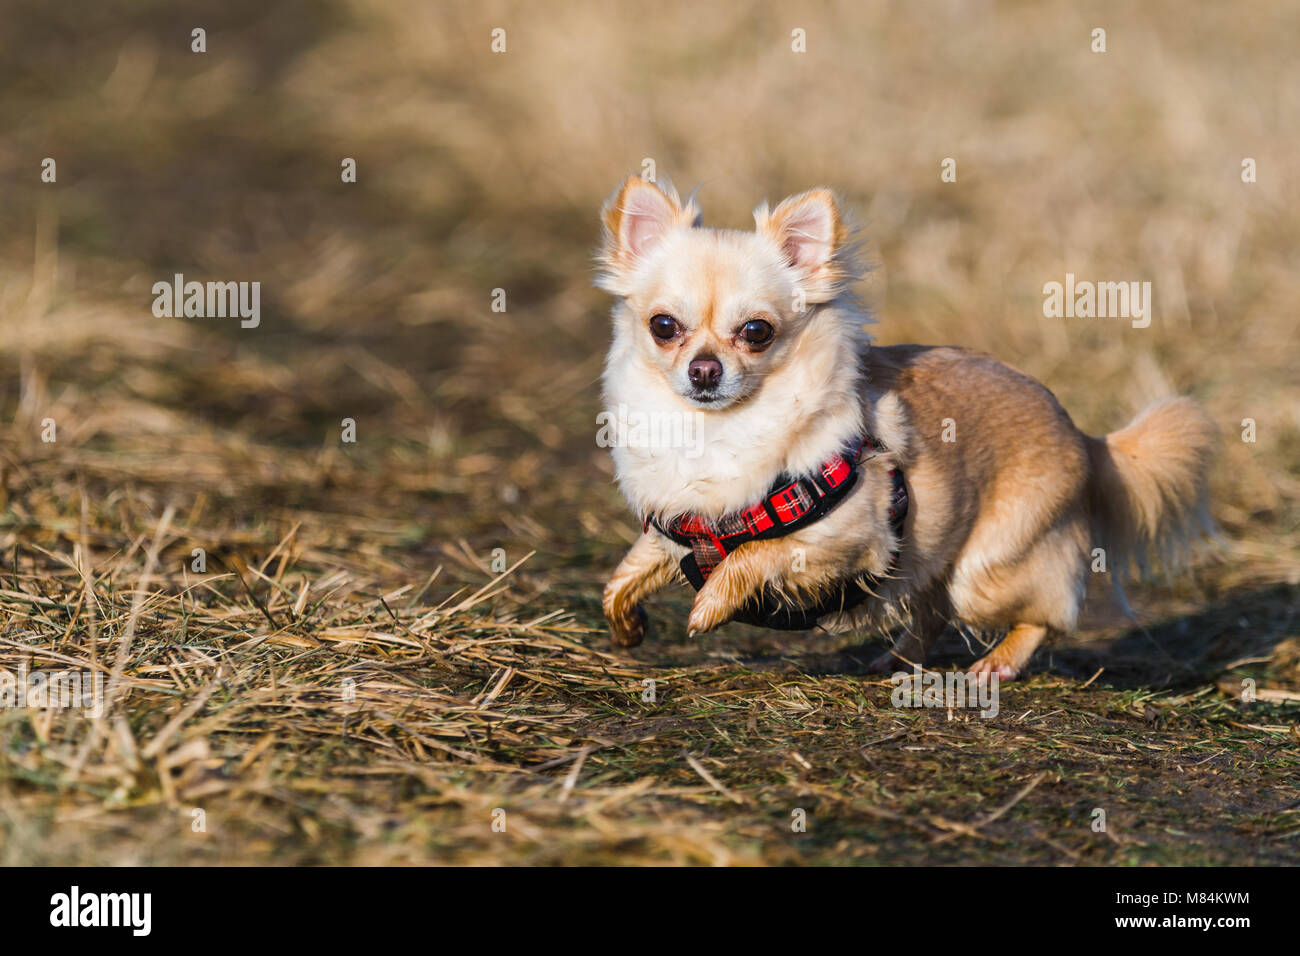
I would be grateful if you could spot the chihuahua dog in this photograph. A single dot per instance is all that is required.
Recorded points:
(835, 481)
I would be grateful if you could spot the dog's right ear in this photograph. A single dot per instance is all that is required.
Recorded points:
(636, 218)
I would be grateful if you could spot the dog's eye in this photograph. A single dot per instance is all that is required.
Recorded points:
(664, 327)
(756, 331)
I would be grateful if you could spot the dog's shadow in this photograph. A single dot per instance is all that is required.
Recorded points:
(1236, 629)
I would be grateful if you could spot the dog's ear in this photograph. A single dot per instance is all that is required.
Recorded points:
(814, 239)
(637, 217)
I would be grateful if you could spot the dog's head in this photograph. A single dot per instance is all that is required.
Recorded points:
(715, 311)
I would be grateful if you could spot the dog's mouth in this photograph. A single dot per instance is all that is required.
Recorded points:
(716, 397)
(712, 400)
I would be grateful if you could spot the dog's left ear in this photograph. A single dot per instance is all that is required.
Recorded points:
(813, 237)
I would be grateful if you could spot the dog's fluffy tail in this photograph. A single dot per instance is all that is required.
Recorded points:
(1147, 487)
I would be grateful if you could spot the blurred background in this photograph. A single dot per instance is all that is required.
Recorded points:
(479, 170)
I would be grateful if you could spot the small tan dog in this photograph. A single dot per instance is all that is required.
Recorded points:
(823, 475)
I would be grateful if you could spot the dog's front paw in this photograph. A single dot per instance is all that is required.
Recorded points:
(629, 629)
(707, 613)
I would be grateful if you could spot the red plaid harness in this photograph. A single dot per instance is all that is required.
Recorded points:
(790, 505)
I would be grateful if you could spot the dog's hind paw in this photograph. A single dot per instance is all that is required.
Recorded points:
(989, 665)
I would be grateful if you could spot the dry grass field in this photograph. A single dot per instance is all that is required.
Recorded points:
(354, 677)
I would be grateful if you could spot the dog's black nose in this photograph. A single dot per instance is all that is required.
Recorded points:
(705, 371)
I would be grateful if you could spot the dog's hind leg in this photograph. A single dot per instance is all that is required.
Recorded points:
(1011, 655)
(1040, 593)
